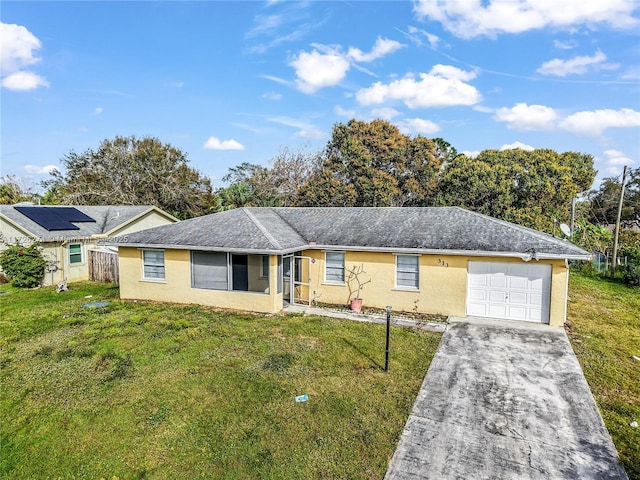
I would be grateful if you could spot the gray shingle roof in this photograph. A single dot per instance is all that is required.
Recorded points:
(283, 230)
(106, 218)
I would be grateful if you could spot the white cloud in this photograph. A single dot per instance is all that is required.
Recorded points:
(514, 145)
(418, 126)
(214, 143)
(317, 70)
(590, 122)
(575, 66)
(272, 96)
(385, 113)
(17, 52)
(40, 170)
(326, 66)
(615, 160)
(305, 129)
(596, 121)
(343, 112)
(98, 111)
(527, 117)
(24, 81)
(565, 45)
(382, 47)
(471, 153)
(472, 18)
(443, 86)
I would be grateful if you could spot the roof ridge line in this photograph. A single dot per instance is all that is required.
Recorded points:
(262, 228)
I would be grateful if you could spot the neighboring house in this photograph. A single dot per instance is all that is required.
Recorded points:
(435, 260)
(68, 233)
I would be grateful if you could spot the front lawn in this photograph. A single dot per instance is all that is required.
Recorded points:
(145, 390)
(604, 329)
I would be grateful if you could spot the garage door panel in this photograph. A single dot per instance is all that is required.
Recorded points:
(510, 290)
(517, 313)
(518, 282)
(476, 294)
(497, 296)
(518, 297)
(499, 311)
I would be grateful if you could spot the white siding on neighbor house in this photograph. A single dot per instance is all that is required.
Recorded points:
(514, 291)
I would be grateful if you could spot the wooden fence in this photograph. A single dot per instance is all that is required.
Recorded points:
(103, 266)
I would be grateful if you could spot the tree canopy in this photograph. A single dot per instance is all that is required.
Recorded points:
(373, 164)
(132, 171)
(605, 199)
(532, 188)
(276, 185)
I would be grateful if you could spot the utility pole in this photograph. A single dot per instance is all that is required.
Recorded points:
(617, 231)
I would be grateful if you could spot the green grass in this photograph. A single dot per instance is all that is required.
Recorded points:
(146, 390)
(604, 329)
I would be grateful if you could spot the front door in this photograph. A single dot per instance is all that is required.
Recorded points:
(296, 280)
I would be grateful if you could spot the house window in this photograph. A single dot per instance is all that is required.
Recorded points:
(209, 270)
(407, 271)
(153, 264)
(334, 267)
(75, 253)
(264, 272)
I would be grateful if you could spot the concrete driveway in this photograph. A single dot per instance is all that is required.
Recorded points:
(504, 400)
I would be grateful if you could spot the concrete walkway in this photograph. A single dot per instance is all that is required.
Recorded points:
(504, 400)
(372, 318)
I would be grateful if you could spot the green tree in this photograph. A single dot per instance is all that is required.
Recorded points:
(12, 191)
(23, 266)
(132, 171)
(604, 201)
(532, 188)
(373, 164)
(276, 185)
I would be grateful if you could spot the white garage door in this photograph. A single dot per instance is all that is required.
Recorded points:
(515, 291)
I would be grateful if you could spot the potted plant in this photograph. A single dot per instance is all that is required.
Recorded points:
(355, 283)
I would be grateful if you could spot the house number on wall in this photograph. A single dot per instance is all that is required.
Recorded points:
(443, 263)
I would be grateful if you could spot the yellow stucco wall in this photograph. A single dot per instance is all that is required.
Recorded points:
(148, 220)
(57, 253)
(442, 283)
(177, 284)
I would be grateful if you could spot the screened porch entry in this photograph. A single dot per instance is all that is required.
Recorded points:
(230, 272)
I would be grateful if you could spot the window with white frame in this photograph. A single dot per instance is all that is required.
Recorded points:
(334, 267)
(407, 271)
(75, 253)
(153, 264)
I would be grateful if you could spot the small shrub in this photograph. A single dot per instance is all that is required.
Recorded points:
(23, 266)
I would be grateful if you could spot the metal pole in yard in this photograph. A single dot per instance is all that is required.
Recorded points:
(386, 353)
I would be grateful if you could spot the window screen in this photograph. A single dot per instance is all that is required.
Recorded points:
(334, 267)
(407, 271)
(209, 270)
(264, 272)
(75, 253)
(153, 264)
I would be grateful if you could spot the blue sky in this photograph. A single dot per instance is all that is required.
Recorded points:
(229, 82)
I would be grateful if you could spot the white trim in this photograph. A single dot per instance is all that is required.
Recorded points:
(407, 287)
(344, 268)
(82, 254)
(164, 266)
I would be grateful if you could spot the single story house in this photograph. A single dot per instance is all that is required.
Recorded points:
(445, 260)
(67, 233)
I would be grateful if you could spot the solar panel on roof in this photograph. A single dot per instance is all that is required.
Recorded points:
(55, 218)
(72, 214)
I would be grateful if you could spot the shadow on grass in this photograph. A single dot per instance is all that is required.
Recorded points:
(365, 355)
